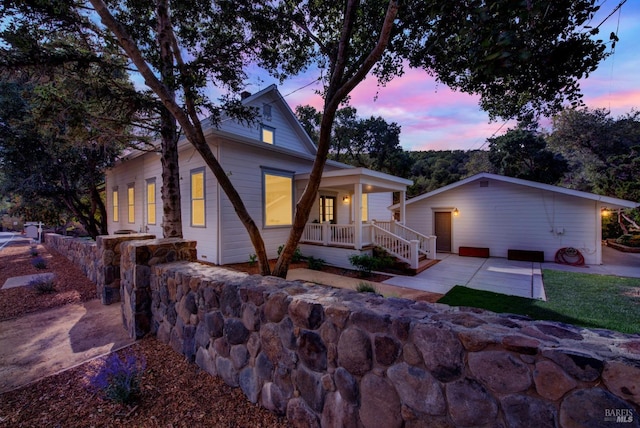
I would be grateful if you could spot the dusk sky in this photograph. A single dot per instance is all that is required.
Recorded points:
(433, 117)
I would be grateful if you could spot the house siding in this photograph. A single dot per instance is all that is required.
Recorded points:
(244, 168)
(507, 216)
(285, 133)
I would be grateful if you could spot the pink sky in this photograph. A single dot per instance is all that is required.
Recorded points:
(433, 117)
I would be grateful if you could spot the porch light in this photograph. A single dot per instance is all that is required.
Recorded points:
(456, 212)
(345, 199)
(605, 212)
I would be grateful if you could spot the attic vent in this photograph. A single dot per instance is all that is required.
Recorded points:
(266, 111)
(484, 183)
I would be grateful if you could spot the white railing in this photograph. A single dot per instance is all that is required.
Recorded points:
(329, 234)
(397, 239)
(426, 243)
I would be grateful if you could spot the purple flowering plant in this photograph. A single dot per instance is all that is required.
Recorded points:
(39, 263)
(119, 378)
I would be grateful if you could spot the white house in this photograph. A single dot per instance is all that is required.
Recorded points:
(269, 165)
(503, 213)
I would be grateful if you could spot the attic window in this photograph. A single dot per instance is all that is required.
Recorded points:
(266, 111)
(484, 183)
(268, 134)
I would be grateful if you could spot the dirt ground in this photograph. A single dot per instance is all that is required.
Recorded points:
(174, 392)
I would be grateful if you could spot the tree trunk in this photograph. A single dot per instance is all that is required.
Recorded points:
(170, 190)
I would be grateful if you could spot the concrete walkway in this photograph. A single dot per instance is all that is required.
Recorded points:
(508, 276)
(493, 274)
(44, 343)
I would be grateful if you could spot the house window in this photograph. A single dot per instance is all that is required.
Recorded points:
(197, 198)
(278, 198)
(268, 134)
(151, 201)
(116, 205)
(327, 209)
(131, 209)
(365, 207)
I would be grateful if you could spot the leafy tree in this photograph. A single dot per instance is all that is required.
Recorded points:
(602, 151)
(523, 153)
(433, 169)
(371, 143)
(54, 151)
(519, 58)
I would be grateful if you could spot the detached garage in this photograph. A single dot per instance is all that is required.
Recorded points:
(510, 216)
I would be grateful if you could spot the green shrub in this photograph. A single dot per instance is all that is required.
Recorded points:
(315, 263)
(33, 251)
(43, 285)
(297, 254)
(366, 287)
(366, 263)
(253, 259)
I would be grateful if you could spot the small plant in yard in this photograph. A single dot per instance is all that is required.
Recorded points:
(315, 263)
(39, 263)
(119, 379)
(33, 251)
(366, 287)
(253, 259)
(43, 285)
(297, 254)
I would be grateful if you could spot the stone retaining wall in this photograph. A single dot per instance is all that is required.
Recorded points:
(99, 260)
(136, 262)
(329, 357)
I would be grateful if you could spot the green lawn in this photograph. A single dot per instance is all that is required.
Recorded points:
(594, 301)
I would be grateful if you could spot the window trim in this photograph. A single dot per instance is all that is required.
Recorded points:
(193, 172)
(267, 111)
(334, 208)
(271, 129)
(278, 173)
(131, 203)
(150, 181)
(115, 204)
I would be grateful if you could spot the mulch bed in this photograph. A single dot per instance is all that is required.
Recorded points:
(175, 393)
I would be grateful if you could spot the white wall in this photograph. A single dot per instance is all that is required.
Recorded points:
(507, 216)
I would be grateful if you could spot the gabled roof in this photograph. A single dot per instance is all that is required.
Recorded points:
(272, 91)
(609, 202)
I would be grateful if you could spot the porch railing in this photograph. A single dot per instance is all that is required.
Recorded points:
(426, 243)
(342, 235)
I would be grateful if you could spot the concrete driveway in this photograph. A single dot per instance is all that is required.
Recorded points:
(510, 277)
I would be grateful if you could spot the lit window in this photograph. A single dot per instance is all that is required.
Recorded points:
(197, 198)
(131, 203)
(365, 207)
(278, 200)
(151, 201)
(268, 134)
(116, 206)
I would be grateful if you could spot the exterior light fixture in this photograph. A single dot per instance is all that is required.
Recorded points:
(456, 212)
(605, 212)
(345, 199)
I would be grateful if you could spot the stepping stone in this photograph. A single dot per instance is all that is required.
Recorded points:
(19, 281)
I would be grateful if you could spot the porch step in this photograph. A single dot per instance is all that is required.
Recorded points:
(423, 264)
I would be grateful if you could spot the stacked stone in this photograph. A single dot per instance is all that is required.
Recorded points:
(328, 357)
(81, 252)
(136, 261)
(108, 262)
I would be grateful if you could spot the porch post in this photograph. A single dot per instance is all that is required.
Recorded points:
(357, 214)
(403, 209)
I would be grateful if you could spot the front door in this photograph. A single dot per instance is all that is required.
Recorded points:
(442, 230)
(327, 209)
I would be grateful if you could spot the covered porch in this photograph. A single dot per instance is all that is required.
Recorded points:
(352, 213)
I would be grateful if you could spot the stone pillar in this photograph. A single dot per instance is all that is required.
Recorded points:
(108, 269)
(135, 272)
